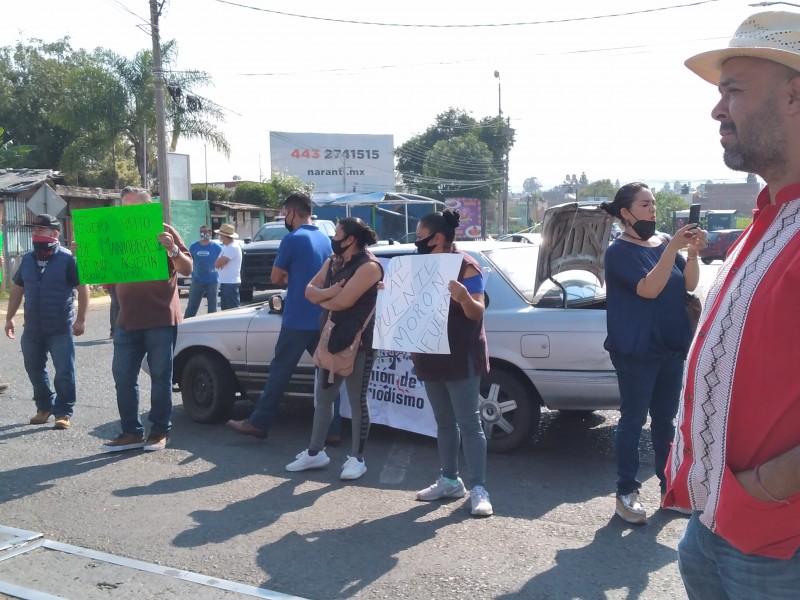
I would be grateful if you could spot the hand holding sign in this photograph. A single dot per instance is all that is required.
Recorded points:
(412, 309)
(119, 244)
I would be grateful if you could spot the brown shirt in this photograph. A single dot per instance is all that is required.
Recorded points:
(151, 304)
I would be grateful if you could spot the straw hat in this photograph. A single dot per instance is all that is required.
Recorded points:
(227, 230)
(772, 36)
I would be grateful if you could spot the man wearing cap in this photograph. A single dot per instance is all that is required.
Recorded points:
(48, 279)
(736, 456)
(229, 265)
(149, 313)
(205, 278)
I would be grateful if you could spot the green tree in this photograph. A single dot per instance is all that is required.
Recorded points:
(666, 205)
(602, 188)
(33, 80)
(270, 192)
(12, 156)
(189, 116)
(443, 164)
(460, 174)
(532, 186)
(215, 194)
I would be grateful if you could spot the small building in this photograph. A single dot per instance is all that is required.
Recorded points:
(247, 218)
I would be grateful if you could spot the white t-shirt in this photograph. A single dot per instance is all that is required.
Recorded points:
(230, 273)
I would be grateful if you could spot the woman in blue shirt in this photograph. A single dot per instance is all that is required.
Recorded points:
(648, 333)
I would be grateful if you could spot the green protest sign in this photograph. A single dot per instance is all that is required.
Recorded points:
(1, 252)
(120, 244)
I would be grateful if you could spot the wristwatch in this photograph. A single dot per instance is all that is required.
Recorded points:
(175, 252)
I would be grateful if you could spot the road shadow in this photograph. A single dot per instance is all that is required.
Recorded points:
(348, 559)
(619, 557)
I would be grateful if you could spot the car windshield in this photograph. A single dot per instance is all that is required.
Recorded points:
(518, 265)
(271, 233)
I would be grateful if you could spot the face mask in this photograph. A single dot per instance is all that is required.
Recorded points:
(644, 229)
(44, 245)
(289, 226)
(205, 236)
(336, 245)
(422, 245)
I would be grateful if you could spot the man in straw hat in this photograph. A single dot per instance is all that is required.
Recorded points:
(736, 456)
(229, 265)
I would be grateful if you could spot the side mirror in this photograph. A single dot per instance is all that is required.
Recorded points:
(276, 304)
(247, 240)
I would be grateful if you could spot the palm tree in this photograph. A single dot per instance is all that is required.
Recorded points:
(189, 115)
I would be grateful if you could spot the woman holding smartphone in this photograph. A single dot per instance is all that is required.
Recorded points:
(648, 333)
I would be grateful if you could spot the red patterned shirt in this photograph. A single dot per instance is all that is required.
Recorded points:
(741, 397)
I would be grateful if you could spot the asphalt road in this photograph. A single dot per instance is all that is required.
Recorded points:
(222, 505)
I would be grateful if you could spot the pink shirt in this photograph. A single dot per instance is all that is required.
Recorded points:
(741, 397)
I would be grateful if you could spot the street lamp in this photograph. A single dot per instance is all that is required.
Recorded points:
(504, 202)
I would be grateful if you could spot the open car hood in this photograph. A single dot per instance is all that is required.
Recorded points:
(575, 236)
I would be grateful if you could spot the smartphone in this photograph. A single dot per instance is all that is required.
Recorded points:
(694, 214)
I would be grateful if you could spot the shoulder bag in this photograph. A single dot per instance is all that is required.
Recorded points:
(338, 363)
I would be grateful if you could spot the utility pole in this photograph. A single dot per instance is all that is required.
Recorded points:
(503, 228)
(158, 80)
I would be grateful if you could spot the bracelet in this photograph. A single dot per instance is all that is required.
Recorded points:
(760, 485)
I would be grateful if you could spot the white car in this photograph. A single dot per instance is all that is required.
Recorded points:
(545, 323)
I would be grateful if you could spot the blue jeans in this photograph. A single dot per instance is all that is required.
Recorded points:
(712, 569)
(229, 295)
(196, 292)
(288, 352)
(455, 406)
(654, 386)
(130, 348)
(61, 347)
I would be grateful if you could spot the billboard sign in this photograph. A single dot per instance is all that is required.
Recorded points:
(469, 227)
(335, 162)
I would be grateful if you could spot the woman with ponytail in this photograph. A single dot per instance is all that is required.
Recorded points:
(452, 381)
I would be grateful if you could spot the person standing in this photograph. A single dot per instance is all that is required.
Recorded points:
(149, 313)
(346, 287)
(452, 381)
(205, 277)
(229, 265)
(735, 460)
(48, 279)
(648, 333)
(301, 255)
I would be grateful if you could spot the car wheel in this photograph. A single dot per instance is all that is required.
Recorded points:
(245, 295)
(509, 413)
(707, 261)
(208, 389)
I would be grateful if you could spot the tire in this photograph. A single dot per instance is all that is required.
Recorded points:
(707, 261)
(509, 412)
(208, 389)
(245, 294)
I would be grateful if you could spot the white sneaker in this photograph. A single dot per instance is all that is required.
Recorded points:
(443, 488)
(353, 468)
(306, 461)
(630, 509)
(481, 507)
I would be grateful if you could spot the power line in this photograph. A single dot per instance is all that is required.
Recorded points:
(467, 25)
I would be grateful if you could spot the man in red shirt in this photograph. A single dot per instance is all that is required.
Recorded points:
(736, 456)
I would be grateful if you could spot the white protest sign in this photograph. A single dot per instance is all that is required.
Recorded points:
(396, 397)
(412, 310)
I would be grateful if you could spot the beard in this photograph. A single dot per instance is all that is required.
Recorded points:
(760, 142)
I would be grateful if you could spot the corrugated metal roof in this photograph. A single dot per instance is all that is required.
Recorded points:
(14, 181)
(238, 206)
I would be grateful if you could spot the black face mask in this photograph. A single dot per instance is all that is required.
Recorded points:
(286, 222)
(644, 229)
(43, 246)
(336, 246)
(422, 245)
